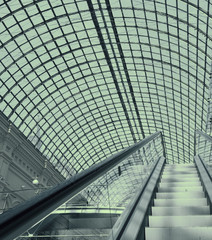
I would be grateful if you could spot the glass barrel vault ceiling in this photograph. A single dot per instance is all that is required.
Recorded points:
(85, 79)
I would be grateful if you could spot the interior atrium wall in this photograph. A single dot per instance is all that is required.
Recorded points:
(20, 165)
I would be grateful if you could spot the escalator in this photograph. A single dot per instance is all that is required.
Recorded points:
(172, 201)
(180, 209)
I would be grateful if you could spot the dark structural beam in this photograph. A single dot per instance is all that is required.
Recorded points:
(110, 65)
(122, 57)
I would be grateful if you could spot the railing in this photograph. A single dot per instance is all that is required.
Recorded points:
(103, 179)
(203, 149)
(203, 160)
(132, 222)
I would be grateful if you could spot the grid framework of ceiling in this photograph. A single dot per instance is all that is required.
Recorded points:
(85, 79)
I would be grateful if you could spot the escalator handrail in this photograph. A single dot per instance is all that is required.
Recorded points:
(204, 176)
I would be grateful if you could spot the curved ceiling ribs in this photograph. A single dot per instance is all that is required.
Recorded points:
(85, 79)
(107, 57)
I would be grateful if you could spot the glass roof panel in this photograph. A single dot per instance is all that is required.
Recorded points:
(86, 79)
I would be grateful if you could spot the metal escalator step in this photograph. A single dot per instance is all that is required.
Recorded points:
(180, 184)
(170, 195)
(170, 171)
(179, 233)
(180, 211)
(174, 179)
(180, 189)
(174, 166)
(180, 221)
(180, 202)
(177, 175)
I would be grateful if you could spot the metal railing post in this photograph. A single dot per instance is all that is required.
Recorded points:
(195, 142)
(163, 144)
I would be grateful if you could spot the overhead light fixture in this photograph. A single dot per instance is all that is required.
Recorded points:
(35, 181)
